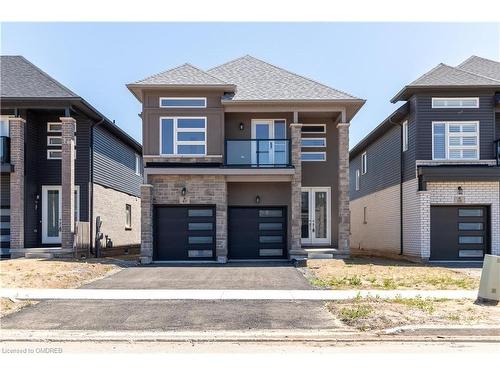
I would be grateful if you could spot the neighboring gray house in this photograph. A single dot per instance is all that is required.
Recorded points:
(243, 161)
(425, 183)
(40, 120)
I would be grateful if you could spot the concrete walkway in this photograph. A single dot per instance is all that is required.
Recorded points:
(226, 294)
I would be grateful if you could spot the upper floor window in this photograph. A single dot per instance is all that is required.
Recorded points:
(455, 140)
(455, 102)
(183, 136)
(405, 135)
(55, 127)
(357, 179)
(137, 165)
(313, 156)
(363, 163)
(4, 126)
(313, 128)
(313, 142)
(183, 102)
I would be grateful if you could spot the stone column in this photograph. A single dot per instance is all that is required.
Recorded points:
(344, 228)
(68, 183)
(17, 133)
(146, 224)
(296, 192)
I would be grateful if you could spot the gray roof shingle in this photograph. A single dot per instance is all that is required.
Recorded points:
(258, 80)
(481, 66)
(185, 74)
(19, 78)
(444, 75)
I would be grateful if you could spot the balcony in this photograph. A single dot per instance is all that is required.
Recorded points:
(5, 150)
(257, 153)
(497, 151)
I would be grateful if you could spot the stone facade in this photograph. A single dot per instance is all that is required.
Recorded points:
(381, 231)
(343, 190)
(17, 135)
(109, 204)
(68, 182)
(296, 191)
(146, 224)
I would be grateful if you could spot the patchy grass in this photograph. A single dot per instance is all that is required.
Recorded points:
(37, 273)
(377, 273)
(375, 313)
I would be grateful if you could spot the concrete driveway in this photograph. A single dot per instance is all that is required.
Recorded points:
(272, 275)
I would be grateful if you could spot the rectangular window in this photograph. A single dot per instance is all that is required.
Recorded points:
(137, 165)
(4, 126)
(195, 240)
(270, 213)
(270, 226)
(470, 240)
(183, 136)
(455, 102)
(470, 226)
(365, 215)
(313, 142)
(405, 136)
(364, 168)
(470, 253)
(128, 216)
(200, 213)
(455, 140)
(270, 239)
(357, 179)
(54, 154)
(470, 212)
(313, 156)
(200, 226)
(54, 127)
(313, 128)
(183, 102)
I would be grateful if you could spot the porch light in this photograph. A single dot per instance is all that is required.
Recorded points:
(242, 126)
(183, 191)
(460, 191)
(257, 199)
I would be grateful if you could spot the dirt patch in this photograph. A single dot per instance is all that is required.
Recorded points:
(377, 273)
(373, 313)
(37, 273)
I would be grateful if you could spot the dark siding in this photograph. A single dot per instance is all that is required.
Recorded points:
(41, 171)
(410, 156)
(497, 120)
(484, 114)
(114, 163)
(383, 162)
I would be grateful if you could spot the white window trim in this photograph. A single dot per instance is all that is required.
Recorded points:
(358, 174)
(364, 162)
(456, 106)
(321, 132)
(184, 130)
(313, 139)
(313, 152)
(49, 137)
(182, 106)
(405, 136)
(53, 158)
(446, 137)
(49, 130)
(6, 119)
(137, 165)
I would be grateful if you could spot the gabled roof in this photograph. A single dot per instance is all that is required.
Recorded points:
(475, 72)
(481, 66)
(185, 74)
(19, 78)
(257, 80)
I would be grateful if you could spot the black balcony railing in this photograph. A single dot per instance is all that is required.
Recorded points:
(265, 153)
(5, 149)
(497, 151)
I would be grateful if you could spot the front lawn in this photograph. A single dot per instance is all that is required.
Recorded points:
(37, 273)
(375, 313)
(378, 273)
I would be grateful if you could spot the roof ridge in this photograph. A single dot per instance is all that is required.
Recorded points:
(293, 73)
(177, 67)
(209, 74)
(47, 76)
(478, 57)
(229, 62)
(427, 73)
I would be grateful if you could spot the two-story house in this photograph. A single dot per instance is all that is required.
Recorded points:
(425, 183)
(243, 161)
(64, 165)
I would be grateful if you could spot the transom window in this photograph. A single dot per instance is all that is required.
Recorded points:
(455, 102)
(455, 140)
(313, 128)
(183, 136)
(183, 102)
(313, 142)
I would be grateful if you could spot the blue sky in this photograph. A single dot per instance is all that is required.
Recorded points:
(369, 60)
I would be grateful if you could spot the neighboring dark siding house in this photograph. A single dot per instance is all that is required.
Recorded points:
(243, 161)
(106, 177)
(430, 184)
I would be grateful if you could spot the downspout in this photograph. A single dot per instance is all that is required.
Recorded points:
(92, 184)
(401, 170)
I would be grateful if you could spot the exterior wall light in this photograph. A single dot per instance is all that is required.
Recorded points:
(183, 191)
(242, 126)
(460, 191)
(257, 199)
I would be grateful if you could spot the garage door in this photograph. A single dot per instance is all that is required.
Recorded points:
(257, 233)
(459, 232)
(184, 233)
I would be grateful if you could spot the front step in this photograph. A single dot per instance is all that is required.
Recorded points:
(321, 253)
(38, 255)
(41, 253)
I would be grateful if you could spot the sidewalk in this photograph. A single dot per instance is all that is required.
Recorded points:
(225, 294)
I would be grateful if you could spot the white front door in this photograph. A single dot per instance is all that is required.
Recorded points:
(267, 149)
(52, 211)
(316, 216)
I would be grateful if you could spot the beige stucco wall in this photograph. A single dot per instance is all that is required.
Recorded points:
(382, 229)
(109, 204)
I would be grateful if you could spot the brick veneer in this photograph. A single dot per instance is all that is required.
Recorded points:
(343, 192)
(68, 182)
(17, 134)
